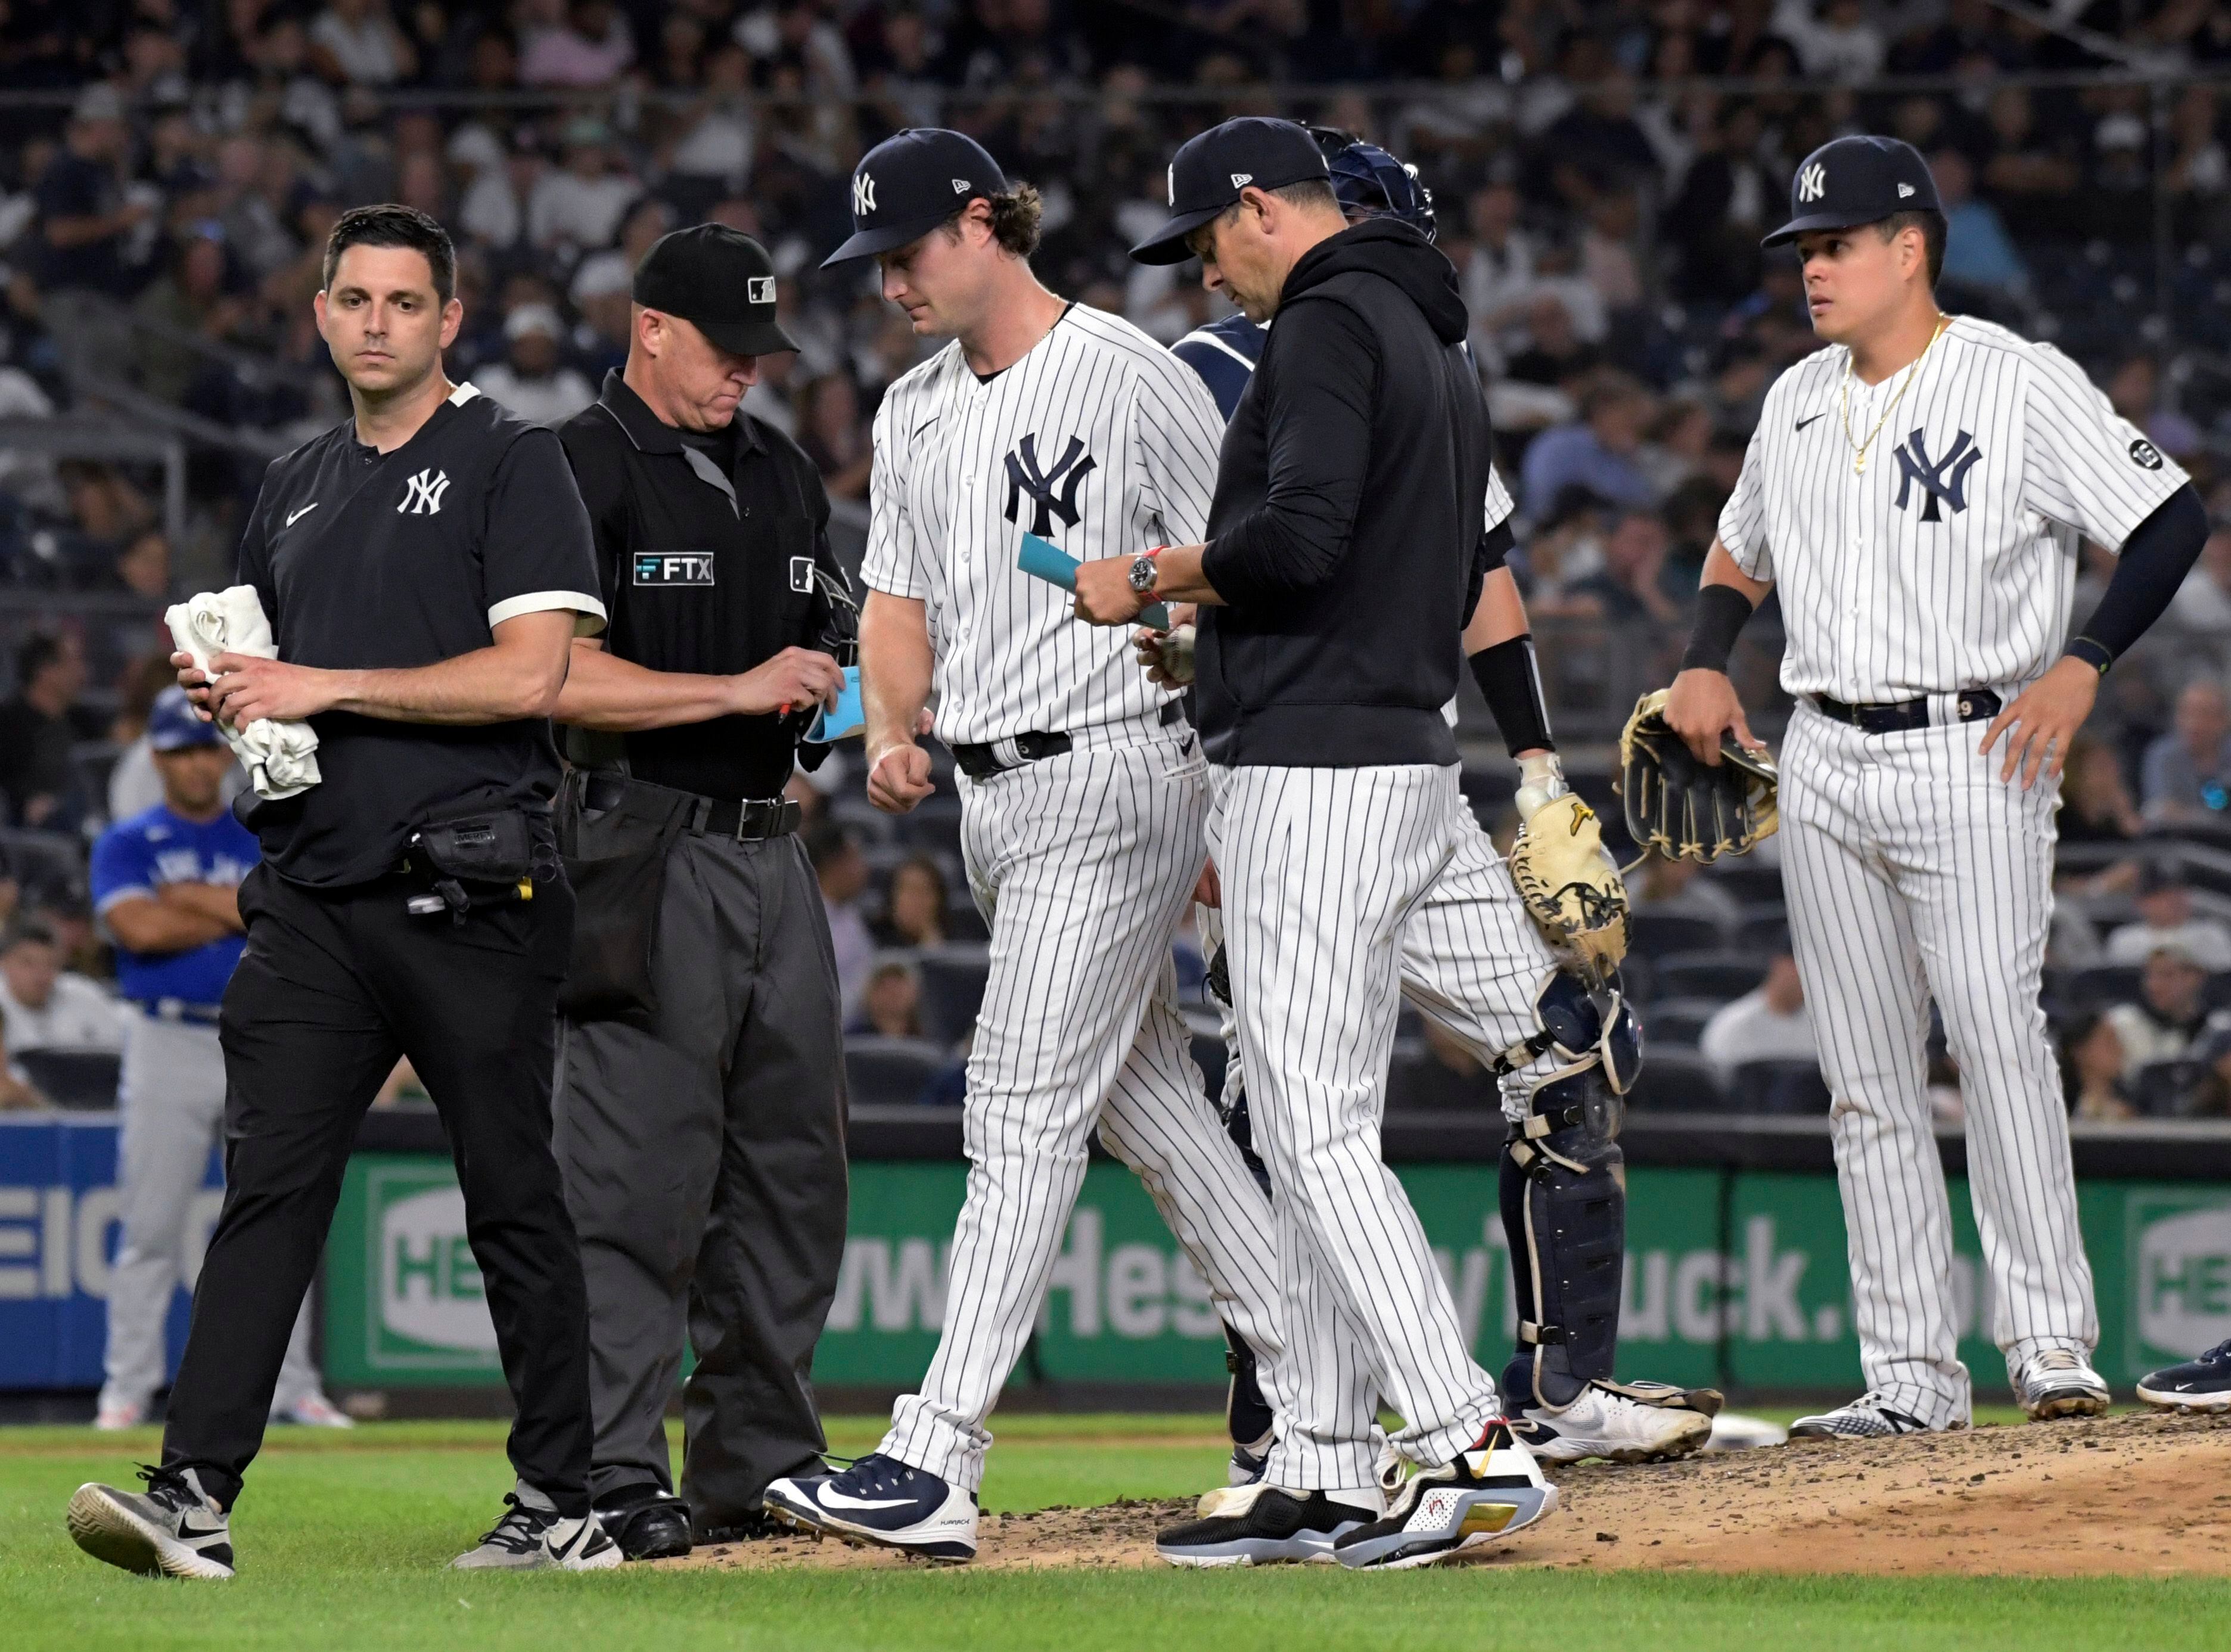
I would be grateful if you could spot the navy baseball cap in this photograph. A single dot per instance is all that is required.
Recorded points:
(909, 184)
(1212, 169)
(1856, 180)
(173, 726)
(721, 282)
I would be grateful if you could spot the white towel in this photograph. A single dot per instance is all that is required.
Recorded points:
(281, 757)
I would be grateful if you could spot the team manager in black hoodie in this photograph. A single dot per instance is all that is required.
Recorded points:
(1344, 555)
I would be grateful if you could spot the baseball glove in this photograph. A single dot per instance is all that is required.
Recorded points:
(1571, 886)
(1685, 809)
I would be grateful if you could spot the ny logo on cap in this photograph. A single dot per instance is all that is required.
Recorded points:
(759, 289)
(1946, 480)
(863, 195)
(1813, 182)
(1024, 477)
(1240, 180)
(422, 493)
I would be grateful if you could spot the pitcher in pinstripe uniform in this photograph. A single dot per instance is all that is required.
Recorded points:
(1083, 793)
(1916, 493)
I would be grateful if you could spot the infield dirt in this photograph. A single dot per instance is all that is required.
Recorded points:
(2132, 1495)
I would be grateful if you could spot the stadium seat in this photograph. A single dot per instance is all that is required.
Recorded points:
(1675, 1081)
(1721, 975)
(2105, 984)
(1661, 935)
(1790, 1088)
(2161, 1087)
(73, 1078)
(953, 979)
(1763, 927)
(1675, 1022)
(890, 1072)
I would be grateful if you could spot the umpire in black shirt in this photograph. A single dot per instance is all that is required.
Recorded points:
(425, 566)
(700, 1090)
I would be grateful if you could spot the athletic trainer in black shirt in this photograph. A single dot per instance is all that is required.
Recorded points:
(424, 568)
(700, 1100)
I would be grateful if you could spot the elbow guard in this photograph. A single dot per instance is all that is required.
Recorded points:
(1511, 684)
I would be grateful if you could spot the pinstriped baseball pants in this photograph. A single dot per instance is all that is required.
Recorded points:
(1082, 864)
(1913, 872)
(1322, 870)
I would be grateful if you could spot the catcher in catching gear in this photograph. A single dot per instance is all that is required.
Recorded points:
(1689, 810)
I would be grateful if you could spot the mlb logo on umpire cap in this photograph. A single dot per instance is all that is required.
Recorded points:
(1853, 181)
(909, 184)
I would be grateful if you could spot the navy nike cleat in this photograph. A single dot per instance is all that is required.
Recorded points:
(881, 1500)
(2202, 1384)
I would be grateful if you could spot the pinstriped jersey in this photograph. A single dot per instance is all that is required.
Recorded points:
(1099, 440)
(1949, 561)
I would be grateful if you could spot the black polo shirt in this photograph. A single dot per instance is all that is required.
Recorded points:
(707, 569)
(366, 560)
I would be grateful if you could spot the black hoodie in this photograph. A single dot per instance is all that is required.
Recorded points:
(1345, 538)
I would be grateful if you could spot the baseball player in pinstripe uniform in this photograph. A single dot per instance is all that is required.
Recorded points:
(1476, 965)
(1084, 794)
(1916, 492)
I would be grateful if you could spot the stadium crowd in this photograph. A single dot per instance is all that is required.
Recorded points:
(1601, 172)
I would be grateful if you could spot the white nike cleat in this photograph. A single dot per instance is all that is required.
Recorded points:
(1617, 1426)
(881, 1500)
(1869, 1417)
(173, 1529)
(314, 1410)
(2058, 1384)
(534, 1537)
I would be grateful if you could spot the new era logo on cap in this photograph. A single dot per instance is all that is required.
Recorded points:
(960, 186)
(1240, 180)
(1906, 192)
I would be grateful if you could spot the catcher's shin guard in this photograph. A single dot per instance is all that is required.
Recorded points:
(1564, 1196)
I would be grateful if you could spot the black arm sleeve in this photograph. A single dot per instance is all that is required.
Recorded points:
(2155, 558)
(1321, 386)
(1721, 613)
(1511, 684)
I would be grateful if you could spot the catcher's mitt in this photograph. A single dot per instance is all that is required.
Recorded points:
(1571, 886)
(1685, 809)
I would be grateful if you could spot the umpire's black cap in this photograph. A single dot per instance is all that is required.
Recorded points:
(1212, 169)
(719, 280)
(1856, 180)
(909, 184)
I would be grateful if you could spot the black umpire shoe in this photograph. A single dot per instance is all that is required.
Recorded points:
(646, 1523)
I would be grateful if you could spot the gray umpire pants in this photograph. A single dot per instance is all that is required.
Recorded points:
(703, 1156)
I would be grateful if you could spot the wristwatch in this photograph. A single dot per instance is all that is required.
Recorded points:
(1143, 570)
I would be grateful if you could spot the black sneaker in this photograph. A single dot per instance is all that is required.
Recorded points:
(1258, 1524)
(2202, 1384)
(646, 1523)
(173, 1529)
(1489, 1490)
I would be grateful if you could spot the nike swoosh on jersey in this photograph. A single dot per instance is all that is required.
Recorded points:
(834, 1498)
(295, 517)
(1808, 419)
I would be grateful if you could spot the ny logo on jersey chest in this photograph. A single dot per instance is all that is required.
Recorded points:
(1024, 477)
(1943, 481)
(422, 493)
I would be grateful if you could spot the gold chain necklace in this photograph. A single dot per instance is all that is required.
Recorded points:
(1843, 399)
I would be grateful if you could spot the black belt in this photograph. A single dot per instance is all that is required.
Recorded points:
(1975, 705)
(980, 762)
(749, 819)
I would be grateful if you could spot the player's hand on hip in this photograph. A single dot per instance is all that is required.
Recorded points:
(898, 778)
(795, 677)
(1700, 708)
(2041, 723)
(1104, 596)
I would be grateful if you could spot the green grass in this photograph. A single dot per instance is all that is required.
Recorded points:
(343, 1541)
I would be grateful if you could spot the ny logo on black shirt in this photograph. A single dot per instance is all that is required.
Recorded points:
(1024, 477)
(422, 493)
(1945, 480)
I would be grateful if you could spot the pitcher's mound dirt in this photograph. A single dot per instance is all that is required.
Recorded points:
(2128, 1494)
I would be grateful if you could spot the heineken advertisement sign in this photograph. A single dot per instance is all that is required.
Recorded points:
(1734, 1276)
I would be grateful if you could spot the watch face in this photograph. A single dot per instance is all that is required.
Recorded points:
(1142, 574)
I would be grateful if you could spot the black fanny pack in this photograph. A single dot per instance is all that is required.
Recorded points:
(484, 858)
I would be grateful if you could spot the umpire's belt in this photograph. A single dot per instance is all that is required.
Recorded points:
(1973, 705)
(984, 761)
(177, 1009)
(750, 819)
